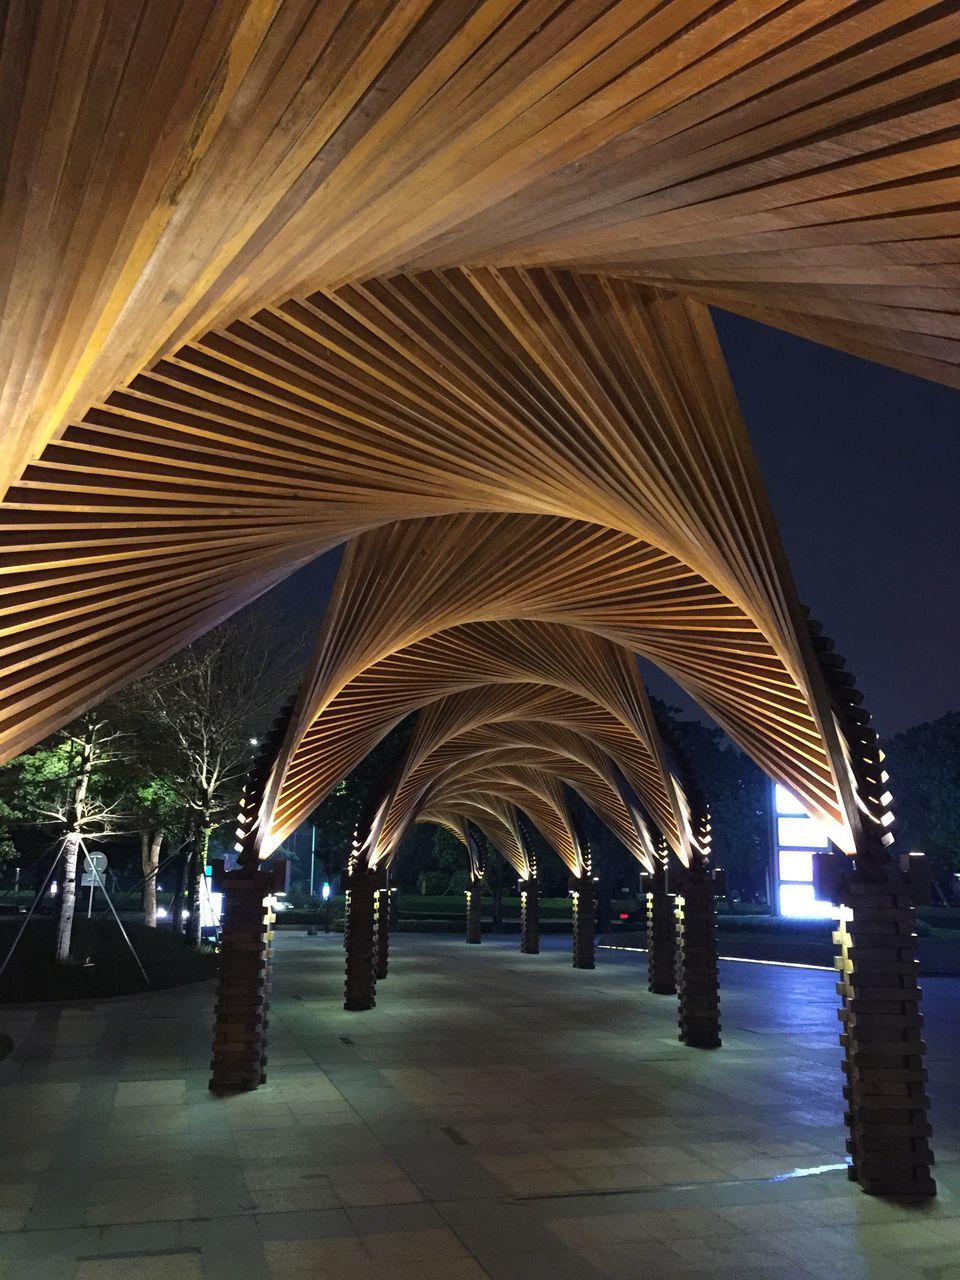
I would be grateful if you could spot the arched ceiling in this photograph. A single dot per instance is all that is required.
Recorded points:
(575, 662)
(277, 272)
(445, 743)
(468, 761)
(537, 793)
(401, 582)
(498, 821)
(172, 167)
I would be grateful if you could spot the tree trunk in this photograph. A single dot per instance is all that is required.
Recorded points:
(71, 848)
(176, 907)
(150, 844)
(198, 869)
(68, 896)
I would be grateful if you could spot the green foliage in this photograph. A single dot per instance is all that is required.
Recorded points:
(737, 793)
(345, 809)
(924, 767)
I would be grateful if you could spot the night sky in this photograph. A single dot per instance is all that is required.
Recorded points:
(862, 465)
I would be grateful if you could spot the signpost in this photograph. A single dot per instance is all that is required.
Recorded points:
(94, 866)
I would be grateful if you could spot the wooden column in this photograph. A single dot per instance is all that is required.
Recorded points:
(882, 1038)
(383, 930)
(530, 917)
(661, 937)
(243, 982)
(474, 901)
(888, 1107)
(584, 893)
(697, 976)
(360, 940)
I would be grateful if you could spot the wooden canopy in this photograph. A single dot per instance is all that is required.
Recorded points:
(281, 273)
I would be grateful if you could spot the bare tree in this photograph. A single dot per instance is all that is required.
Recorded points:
(211, 702)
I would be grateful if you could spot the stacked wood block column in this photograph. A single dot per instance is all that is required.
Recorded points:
(697, 975)
(243, 984)
(360, 940)
(661, 937)
(530, 917)
(882, 1037)
(383, 931)
(888, 1108)
(474, 902)
(584, 893)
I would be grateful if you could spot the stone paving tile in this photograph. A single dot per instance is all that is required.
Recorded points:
(561, 1132)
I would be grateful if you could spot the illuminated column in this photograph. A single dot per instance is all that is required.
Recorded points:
(239, 1057)
(383, 928)
(697, 974)
(882, 1037)
(530, 916)
(661, 936)
(243, 982)
(888, 1106)
(360, 940)
(584, 893)
(474, 901)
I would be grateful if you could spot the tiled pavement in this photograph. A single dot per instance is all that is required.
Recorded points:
(496, 1115)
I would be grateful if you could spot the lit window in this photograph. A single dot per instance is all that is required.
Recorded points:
(785, 801)
(798, 901)
(800, 833)
(796, 864)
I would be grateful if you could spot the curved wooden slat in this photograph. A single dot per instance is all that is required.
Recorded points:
(172, 167)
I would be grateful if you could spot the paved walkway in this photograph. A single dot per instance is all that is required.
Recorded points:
(497, 1115)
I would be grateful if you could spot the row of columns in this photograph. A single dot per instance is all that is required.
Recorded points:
(682, 953)
(885, 1090)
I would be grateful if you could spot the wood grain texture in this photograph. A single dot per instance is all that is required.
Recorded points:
(172, 167)
(587, 772)
(275, 272)
(599, 408)
(466, 728)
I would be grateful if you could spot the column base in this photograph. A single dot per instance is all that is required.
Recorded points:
(239, 1061)
(584, 905)
(360, 942)
(530, 919)
(661, 943)
(474, 921)
(383, 934)
(886, 1093)
(698, 985)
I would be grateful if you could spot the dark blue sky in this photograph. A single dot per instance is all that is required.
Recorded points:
(862, 464)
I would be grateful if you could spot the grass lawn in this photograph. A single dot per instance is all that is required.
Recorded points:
(32, 976)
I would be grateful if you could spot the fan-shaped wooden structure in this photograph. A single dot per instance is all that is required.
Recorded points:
(549, 746)
(173, 167)
(277, 274)
(343, 726)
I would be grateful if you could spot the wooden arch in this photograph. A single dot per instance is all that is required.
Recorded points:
(586, 398)
(548, 746)
(586, 774)
(496, 818)
(477, 654)
(274, 274)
